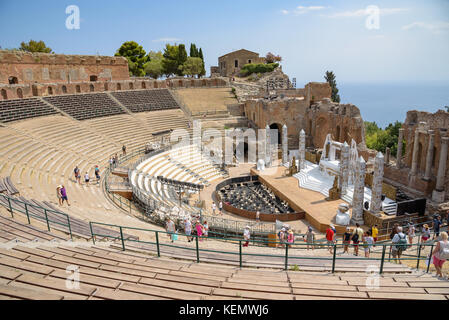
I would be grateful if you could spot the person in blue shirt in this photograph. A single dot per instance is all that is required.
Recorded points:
(436, 226)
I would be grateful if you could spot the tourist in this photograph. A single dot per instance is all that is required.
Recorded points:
(220, 207)
(310, 238)
(188, 229)
(86, 179)
(394, 231)
(347, 240)
(411, 233)
(290, 238)
(357, 236)
(425, 233)
(436, 226)
(258, 216)
(281, 236)
(124, 150)
(374, 232)
(368, 242)
(205, 229)
(330, 237)
(63, 195)
(214, 207)
(441, 254)
(399, 242)
(111, 163)
(58, 194)
(97, 174)
(246, 236)
(77, 175)
(199, 230)
(170, 228)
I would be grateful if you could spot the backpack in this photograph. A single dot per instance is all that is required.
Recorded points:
(444, 252)
(402, 243)
(355, 237)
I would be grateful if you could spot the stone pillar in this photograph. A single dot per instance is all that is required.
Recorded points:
(438, 194)
(267, 146)
(399, 152)
(376, 195)
(387, 155)
(344, 168)
(415, 153)
(429, 156)
(302, 150)
(359, 192)
(284, 145)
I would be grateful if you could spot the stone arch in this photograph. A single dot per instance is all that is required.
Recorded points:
(119, 86)
(180, 83)
(203, 83)
(91, 88)
(155, 85)
(50, 91)
(13, 80)
(93, 78)
(64, 89)
(278, 127)
(106, 86)
(78, 88)
(144, 85)
(19, 93)
(4, 94)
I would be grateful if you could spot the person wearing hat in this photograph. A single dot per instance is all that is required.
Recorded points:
(425, 233)
(246, 236)
(290, 238)
(58, 194)
(310, 237)
(281, 237)
(347, 239)
(330, 237)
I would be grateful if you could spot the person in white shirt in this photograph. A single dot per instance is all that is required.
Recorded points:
(398, 244)
(86, 178)
(214, 207)
(246, 236)
(220, 207)
(188, 229)
(257, 216)
(411, 232)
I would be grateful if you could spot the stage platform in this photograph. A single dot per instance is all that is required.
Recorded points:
(320, 213)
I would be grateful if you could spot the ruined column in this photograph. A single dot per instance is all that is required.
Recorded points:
(359, 192)
(438, 194)
(387, 155)
(376, 191)
(399, 152)
(302, 150)
(284, 145)
(415, 153)
(344, 168)
(267, 146)
(429, 156)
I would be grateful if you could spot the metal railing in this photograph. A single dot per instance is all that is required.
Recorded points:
(289, 256)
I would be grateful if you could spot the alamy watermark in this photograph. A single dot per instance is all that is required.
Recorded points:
(73, 20)
(372, 21)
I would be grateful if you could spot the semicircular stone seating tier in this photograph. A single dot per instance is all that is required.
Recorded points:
(185, 164)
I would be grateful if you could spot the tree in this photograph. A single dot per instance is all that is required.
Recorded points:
(136, 56)
(379, 139)
(182, 58)
(170, 60)
(193, 66)
(154, 67)
(194, 51)
(272, 58)
(330, 78)
(35, 46)
(203, 70)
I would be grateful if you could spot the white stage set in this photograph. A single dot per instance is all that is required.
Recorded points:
(342, 161)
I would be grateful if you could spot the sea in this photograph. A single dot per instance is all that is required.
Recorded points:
(387, 103)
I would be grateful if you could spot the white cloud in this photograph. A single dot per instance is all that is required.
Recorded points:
(365, 12)
(285, 12)
(167, 40)
(302, 10)
(436, 27)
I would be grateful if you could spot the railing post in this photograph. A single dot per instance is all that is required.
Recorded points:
(240, 253)
(430, 258)
(157, 244)
(389, 254)
(382, 259)
(26, 211)
(333, 258)
(10, 207)
(70, 228)
(123, 241)
(91, 232)
(419, 255)
(197, 250)
(286, 257)
(46, 219)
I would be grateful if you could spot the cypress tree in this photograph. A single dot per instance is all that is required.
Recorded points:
(330, 78)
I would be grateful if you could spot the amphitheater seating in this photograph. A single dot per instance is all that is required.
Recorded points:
(19, 109)
(146, 100)
(7, 186)
(86, 106)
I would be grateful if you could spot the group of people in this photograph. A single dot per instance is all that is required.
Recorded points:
(286, 237)
(356, 235)
(77, 174)
(113, 161)
(220, 207)
(61, 193)
(190, 228)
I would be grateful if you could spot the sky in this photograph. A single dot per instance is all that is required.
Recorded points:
(409, 42)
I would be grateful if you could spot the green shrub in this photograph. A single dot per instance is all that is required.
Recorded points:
(251, 68)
